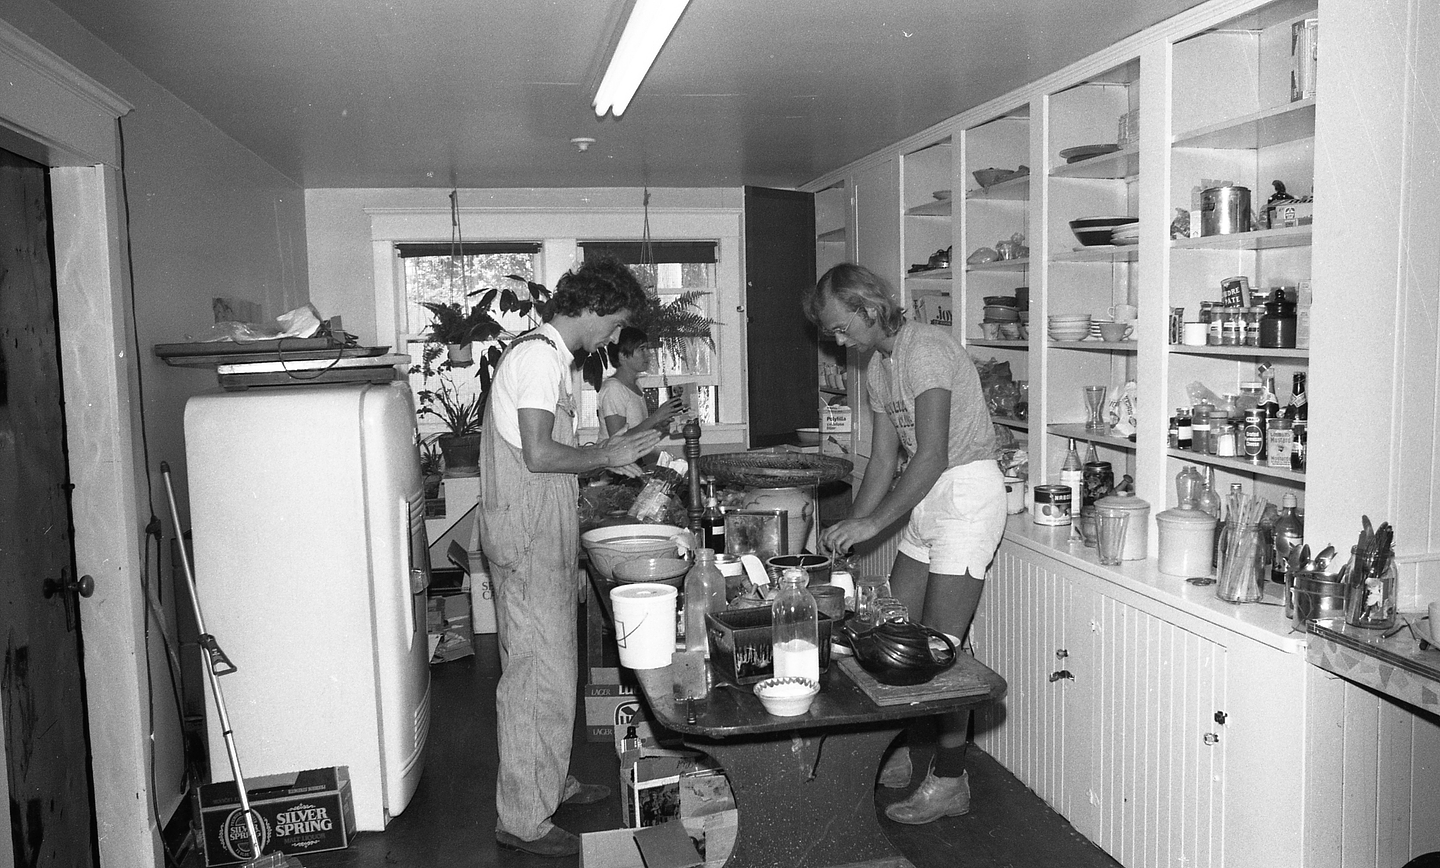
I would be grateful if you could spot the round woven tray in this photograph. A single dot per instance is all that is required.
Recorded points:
(774, 469)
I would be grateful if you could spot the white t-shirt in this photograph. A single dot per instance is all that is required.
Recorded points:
(533, 375)
(618, 399)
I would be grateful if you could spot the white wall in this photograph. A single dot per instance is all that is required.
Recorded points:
(205, 217)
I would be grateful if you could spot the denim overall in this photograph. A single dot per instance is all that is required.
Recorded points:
(530, 533)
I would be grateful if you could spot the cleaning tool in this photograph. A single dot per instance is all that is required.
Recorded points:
(221, 665)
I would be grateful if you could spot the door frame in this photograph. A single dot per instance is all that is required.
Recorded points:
(60, 117)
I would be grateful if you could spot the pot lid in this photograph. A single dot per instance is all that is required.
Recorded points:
(1127, 502)
(1196, 517)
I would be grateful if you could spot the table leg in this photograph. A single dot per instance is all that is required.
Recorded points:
(807, 801)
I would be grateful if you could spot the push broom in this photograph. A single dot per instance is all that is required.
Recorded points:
(221, 665)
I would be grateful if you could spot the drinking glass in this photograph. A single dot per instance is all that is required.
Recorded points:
(869, 592)
(1110, 525)
(1095, 408)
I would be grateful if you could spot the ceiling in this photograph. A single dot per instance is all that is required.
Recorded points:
(469, 93)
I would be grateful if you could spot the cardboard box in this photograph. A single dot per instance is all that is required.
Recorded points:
(448, 625)
(295, 813)
(608, 707)
(1283, 214)
(933, 309)
(835, 419)
(712, 836)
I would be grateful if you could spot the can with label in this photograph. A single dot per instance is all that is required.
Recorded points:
(1052, 505)
(1252, 436)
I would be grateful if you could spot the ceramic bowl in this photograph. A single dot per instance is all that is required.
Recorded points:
(1001, 300)
(807, 436)
(666, 571)
(787, 697)
(608, 547)
(1092, 231)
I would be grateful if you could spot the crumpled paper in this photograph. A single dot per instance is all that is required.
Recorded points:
(302, 322)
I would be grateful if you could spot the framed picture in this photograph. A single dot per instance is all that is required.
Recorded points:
(760, 532)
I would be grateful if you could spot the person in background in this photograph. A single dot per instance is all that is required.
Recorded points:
(621, 402)
(529, 531)
(932, 427)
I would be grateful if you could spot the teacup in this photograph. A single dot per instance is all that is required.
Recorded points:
(1123, 312)
(1115, 331)
(991, 330)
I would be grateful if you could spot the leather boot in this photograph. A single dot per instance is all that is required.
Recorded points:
(897, 771)
(935, 798)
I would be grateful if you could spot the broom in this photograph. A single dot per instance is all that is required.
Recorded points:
(221, 665)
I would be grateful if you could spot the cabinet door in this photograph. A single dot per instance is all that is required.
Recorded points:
(1157, 737)
(1020, 631)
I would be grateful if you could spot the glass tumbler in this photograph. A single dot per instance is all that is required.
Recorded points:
(1110, 527)
(869, 591)
(1095, 408)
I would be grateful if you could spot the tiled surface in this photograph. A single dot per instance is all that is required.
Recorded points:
(1396, 665)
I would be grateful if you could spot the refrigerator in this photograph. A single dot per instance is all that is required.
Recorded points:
(307, 512)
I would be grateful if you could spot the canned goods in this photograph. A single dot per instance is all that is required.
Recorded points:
(1052, 505)
(1252, 436)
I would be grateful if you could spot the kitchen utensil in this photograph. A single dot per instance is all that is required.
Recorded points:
(1224, 210)
(608, 546)
(901, 653)
(666, 571)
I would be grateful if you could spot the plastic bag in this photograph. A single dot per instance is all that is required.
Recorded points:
(1198, 393)
(1121, 412)
(302, 322)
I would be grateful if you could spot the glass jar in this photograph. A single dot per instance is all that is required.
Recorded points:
(1219, 422)
(1216, 327)
(1242, 564)
(869, 591)
(1232, 330)
(1252, 325)
(1225, 446)
(1200, 427)
(1370, 598)
(795, 628)
(1251, 394)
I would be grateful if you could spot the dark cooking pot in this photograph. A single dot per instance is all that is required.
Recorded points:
(901, 654)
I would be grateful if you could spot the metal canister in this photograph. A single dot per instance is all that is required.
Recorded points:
(1224, 210)
(1252, 436)
(1052, 505)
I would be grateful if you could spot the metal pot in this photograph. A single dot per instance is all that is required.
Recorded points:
(1224, 210)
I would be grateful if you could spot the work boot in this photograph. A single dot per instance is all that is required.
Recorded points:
(935, 798)
(897, 771)
(554, 843)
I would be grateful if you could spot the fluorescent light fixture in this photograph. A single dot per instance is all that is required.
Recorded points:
(645, 32)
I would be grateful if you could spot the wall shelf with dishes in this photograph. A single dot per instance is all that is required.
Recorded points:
(1078, 431)
(1245, 123)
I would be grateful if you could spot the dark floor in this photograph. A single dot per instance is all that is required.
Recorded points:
(451, 821)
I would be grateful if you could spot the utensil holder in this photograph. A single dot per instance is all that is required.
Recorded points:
(1242, 564)
(1370, 601)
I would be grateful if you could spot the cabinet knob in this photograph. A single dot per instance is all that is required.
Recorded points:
(1061, 653)
(1220, 717)
(1062, 674)
(1212, 738)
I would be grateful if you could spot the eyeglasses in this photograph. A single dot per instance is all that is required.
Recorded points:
(844, 330)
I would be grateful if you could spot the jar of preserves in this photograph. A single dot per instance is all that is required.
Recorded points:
(1219, 423)
(1253, 316)
(1233, 327)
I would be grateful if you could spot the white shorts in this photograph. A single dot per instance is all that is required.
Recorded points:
(958, 525)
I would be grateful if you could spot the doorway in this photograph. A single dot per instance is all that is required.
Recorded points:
(51, 791)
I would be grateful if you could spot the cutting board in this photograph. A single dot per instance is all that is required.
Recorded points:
(958, 681)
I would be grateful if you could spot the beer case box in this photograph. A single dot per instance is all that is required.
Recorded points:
(610, 708)
(296, 813)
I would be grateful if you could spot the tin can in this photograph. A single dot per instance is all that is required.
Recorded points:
(1252, 436)
(1052, 505)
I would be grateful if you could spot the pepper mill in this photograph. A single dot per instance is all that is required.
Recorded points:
(696, 508)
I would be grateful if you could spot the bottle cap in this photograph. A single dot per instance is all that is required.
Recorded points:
(1289, 500)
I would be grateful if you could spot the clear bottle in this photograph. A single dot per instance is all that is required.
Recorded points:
(1188, 486)
(704, 595)
(1289, 534)
(795, 634)
(1209, 501)
(1072, 473)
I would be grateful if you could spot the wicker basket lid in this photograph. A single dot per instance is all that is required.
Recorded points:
(774, 469)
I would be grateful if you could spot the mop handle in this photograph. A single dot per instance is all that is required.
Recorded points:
(216, 656)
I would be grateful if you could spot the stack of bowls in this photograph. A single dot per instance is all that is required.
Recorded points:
(1069, 326)
(1003, 317)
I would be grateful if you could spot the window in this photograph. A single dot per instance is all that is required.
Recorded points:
(434, 273)
(688, 367)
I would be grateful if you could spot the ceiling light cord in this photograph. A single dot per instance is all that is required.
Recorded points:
(646, 31)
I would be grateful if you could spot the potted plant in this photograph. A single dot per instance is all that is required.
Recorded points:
(459, 444)
(431, 466)
(458, 328)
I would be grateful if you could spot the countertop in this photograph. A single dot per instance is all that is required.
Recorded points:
(1397, 664)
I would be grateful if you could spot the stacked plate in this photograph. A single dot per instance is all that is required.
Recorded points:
(1069, 326)
(1128, 234)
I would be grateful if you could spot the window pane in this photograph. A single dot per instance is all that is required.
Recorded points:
(444, 279)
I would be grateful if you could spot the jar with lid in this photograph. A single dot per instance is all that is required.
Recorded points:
(1185, 433)
(1251, 394)
(1215, 329)
(1277, 327)
(1232, 329)
(1225, 440)
(1253, 315)
(1200, 426)
(1219, 424)
(1227, 403)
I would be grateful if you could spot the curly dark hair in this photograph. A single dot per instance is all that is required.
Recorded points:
(630, 340)
(601, 286)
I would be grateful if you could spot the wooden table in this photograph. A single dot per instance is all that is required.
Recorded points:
(804, 786)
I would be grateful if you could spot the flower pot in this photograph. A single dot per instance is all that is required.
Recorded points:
(461, 453)
(460, 355)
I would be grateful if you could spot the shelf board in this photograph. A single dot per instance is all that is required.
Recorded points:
(1273, 126)
(937, 208)
(1078, 431)
(1014, 424)
(826, 390)
(832, 235)
(1095, 344)
(1013, 190)
(929, 291)
(1001, 265)
(1099, 253)
(1241, 352)
(1118, 165)
(1239, 465)
(1260, 239)
(932, 274)
(1004, 344)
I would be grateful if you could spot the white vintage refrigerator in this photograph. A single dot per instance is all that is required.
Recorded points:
(307, 511)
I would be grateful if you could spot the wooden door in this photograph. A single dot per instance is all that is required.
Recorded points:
(42, 688)
(782, 346)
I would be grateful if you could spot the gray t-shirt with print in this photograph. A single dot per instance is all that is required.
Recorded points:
(928, 357)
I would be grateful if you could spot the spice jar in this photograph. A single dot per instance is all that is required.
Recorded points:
(1200, 427)
(1219, 423)
(1232, 329)
(1253, 316)
(1225, 440)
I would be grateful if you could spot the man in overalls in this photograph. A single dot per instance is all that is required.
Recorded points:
(529, 531)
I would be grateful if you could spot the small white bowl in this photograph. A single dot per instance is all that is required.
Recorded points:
(787, 697)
